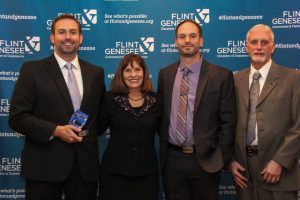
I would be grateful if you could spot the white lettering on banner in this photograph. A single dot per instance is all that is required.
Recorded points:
(4, 107)
(10, 166)
(289, 19)
(81, 48)
(182, 16)
(19, 48)
(227, 190)
(143, 47)
(127, 19)
(171, 48)
(240, 17)
(17, 17)
(295, 13)
(287, 46)
(13, 193)
(87, 18)
(201, 16)
(8, 75)
(234, 48)
(11, 134)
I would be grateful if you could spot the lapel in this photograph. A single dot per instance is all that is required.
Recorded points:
(270, 83)
(86, 81)
(203, 78)
(55, 71)
(243, 84)
(170, 76)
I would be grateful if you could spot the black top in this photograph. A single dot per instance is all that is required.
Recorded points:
(130, 150)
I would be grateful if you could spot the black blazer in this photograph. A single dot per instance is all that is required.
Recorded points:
(130, 150)
(214, 114)
(41, 101)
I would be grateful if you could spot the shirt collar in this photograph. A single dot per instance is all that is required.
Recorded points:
(194, 68)
(264, 70)
(62, 62)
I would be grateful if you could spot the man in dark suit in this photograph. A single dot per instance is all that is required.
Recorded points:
(55, 159)
(267, 142)
(198, 122)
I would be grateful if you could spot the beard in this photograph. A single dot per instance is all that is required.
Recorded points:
(188, 53)
(259, 59)
(68, 49)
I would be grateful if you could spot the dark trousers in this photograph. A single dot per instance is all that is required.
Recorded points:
(184, 179)
(121, 187)
(73, 188)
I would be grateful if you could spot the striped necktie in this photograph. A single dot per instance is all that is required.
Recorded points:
(182, 107)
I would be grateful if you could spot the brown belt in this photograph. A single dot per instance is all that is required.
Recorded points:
(252, 150)
(186, 150)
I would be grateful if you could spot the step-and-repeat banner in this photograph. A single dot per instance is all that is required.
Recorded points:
(114, 28)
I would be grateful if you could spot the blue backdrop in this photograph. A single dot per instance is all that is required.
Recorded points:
(113, 28)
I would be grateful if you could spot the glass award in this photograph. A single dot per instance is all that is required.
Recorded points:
(79, 119)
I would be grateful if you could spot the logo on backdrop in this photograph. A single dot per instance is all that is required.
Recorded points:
(4, 107)
(201, 16)
(19, 48)
(144, 46)
(32, 44)
(288, 19)
(87, 19)
(127, 19)
(233, 49)
(10, 166)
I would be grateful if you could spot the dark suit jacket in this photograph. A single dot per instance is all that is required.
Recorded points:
(130, 150)
(278, 123)
(41, 101)
(214, 114)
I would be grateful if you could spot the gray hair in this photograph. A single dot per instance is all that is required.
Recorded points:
(263, 26)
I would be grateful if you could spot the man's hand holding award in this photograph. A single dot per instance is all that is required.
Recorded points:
(78, 120)
(72, 132)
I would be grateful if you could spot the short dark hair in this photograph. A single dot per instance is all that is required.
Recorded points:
(65, 16)
(191, 21)
(118, 85)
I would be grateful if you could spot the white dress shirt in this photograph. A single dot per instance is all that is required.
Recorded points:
(76, 69)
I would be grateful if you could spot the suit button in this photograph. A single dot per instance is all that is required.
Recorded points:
(134, 149)
(135, 133)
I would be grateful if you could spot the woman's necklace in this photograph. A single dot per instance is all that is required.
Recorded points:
(135, 99)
